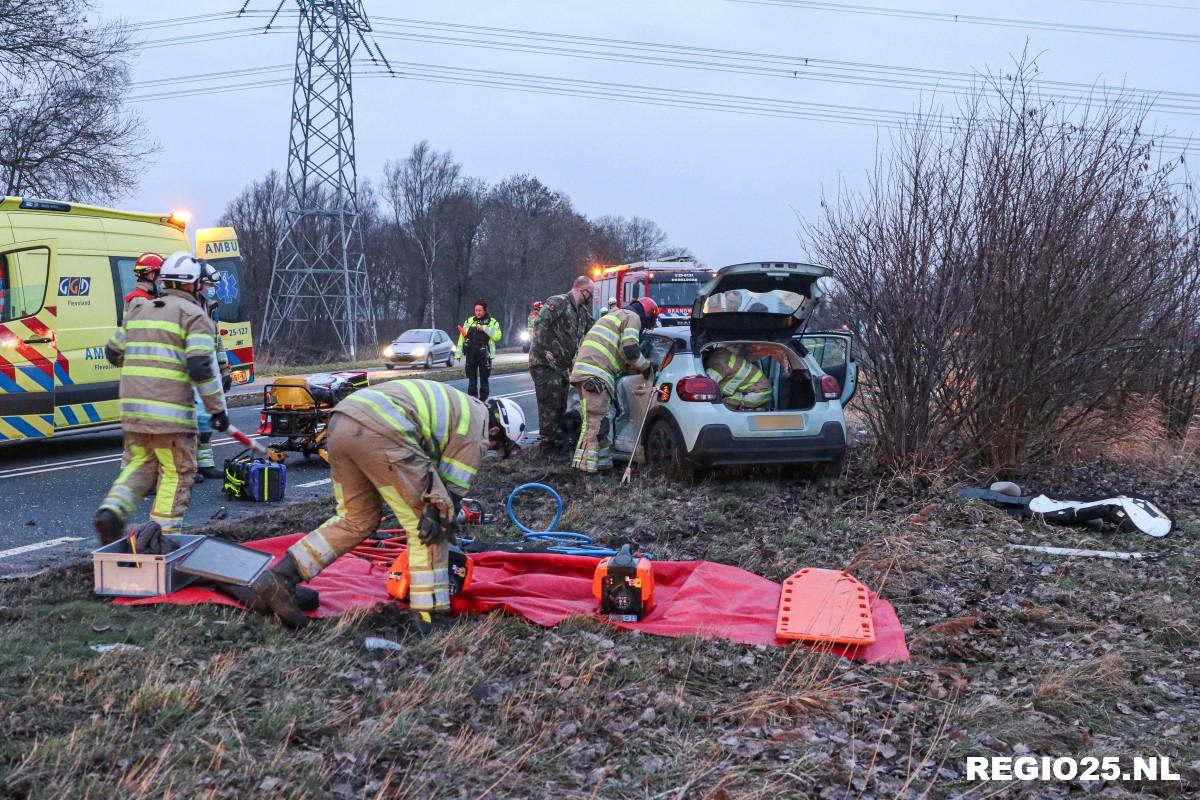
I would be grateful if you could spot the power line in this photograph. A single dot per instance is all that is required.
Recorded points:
(971, 19)
(634, 93)
(787, 67)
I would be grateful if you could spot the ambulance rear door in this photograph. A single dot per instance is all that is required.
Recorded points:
(29, 358)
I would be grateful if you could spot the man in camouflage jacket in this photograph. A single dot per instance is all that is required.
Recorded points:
(560, 326)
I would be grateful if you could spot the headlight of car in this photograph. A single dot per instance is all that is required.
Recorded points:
(418, 352)
(388, 352)
(524, 336)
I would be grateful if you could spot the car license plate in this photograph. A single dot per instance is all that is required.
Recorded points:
(777, 422)
(240, 376)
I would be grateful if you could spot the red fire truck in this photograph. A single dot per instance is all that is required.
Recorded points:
(673, 284)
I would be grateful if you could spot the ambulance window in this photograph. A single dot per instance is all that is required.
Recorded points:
(124, 280)
(229, 290)
(23, 277)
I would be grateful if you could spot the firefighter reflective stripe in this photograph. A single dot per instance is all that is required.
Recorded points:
(464, 414)
(741, 381)
(200, 343)
(601, 354)
(456, 472)
(439, 405)
(117, 340)
(173, 328)
(154, 372)
(159, 410)
(120, 498)
(383, 407)
(154, 352)
(429, 587)
(168, 487)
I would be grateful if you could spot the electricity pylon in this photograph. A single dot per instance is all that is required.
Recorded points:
(319, 290)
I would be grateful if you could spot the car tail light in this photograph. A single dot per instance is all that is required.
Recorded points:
(264, 424)
(830, 387)
(698, 389)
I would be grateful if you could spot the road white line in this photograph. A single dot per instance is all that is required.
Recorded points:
(310, 484)
(29, 548)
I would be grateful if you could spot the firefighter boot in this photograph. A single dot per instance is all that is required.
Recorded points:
(276, 589)
(109, 526)
(425, 623)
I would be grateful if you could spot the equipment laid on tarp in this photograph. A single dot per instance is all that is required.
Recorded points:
(225, 562)
(690, 598)
(624, 585)
(1128, 513)
(825, 605)
(299, 409)
(460, 570)
(120, 572)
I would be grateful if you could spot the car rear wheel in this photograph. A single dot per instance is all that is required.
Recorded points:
(664, 451)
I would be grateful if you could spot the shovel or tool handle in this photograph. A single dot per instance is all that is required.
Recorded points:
(246, 441)
(628, 473)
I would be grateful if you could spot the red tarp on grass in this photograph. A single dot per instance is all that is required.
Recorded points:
(690, 597)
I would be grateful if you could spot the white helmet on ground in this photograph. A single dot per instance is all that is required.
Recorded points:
(506, 415)
(181, 267)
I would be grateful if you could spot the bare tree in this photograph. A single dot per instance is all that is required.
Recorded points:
(418, 190)
(1011, 274)
(65, 131)
(621, 240)
(258, 215)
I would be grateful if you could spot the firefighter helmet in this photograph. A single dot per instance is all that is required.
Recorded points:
(649, 310)
(181, 267)
(146, 264)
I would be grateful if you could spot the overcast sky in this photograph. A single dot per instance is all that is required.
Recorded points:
(726, 185)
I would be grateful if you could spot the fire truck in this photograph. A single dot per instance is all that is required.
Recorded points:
(673, 284)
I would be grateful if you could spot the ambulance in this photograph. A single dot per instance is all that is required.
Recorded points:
(219, 247)
(64, 271)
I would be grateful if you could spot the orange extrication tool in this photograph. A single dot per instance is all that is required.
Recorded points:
(825, 605)
(461, 567)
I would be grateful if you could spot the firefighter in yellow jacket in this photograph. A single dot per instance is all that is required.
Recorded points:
(165, 349)
(414, 446)
(743, 384)
(610, 349)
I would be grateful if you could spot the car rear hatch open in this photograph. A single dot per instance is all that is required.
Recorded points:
(764, 300)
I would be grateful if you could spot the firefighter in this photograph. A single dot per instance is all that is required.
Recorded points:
(206, 462)
(413, 446)
(145, 272)
(743, 384)
(477, 338)
(612, 305)
(610, 348)
(561, 325)
(164, 349)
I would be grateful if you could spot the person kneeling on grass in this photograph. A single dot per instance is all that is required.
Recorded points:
(415, 446)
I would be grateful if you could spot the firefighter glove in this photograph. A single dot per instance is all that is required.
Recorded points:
(220, 421)
(432, 529)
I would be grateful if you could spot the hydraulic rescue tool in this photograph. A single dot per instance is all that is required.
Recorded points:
(624, 585)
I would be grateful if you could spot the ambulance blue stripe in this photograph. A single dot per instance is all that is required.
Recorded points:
(62, 375)
(91, 412)
(42, 379)
(233, 360)
(69, 415)
(9, 385)
(24, 427)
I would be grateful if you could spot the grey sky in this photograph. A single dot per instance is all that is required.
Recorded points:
(722, 184)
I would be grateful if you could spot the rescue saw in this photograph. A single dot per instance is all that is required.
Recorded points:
(624, 585)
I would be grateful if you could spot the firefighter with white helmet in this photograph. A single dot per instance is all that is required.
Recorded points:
(165, 349)
(414, 447)
(206, 462)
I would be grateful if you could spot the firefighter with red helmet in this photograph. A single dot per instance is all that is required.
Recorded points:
(145, 271)
(612, 347)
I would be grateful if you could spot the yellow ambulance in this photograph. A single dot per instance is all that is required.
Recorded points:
(64, 272)
(219, 247)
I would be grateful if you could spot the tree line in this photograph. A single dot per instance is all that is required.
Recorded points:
(435, 239)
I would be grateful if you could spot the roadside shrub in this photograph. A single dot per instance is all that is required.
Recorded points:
(1014, 273)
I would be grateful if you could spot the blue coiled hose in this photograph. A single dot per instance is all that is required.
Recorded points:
(565, 542)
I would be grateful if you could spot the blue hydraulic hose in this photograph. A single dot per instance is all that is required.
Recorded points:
(567, 542)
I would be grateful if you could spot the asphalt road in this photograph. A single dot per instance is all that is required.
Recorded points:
(50, 490)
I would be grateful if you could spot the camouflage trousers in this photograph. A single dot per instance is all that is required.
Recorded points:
(551, 387)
